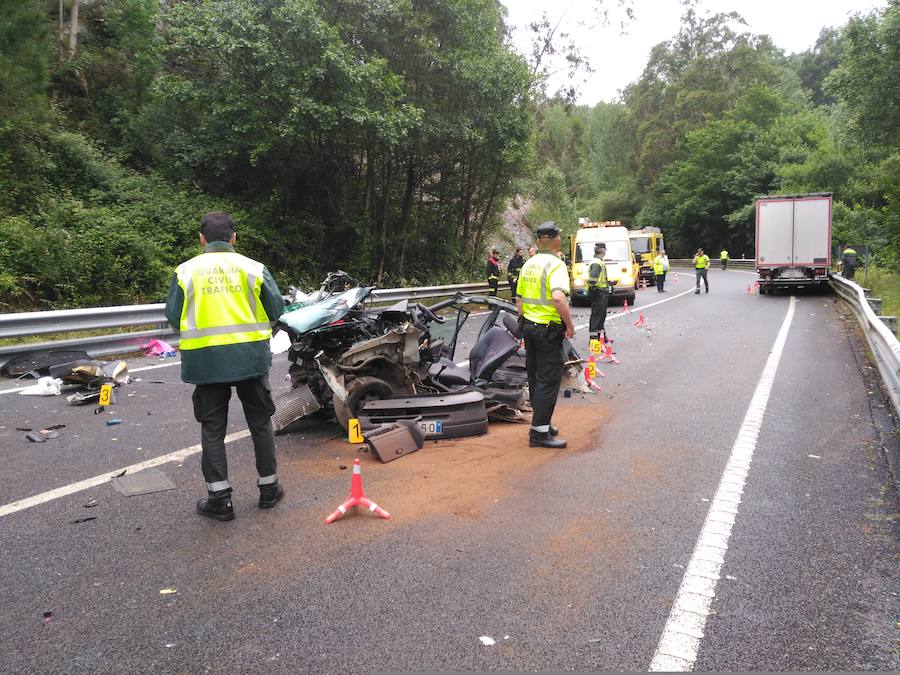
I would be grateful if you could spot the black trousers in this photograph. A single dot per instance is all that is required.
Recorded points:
(701, 274)
(660, 282)
(599, 303)
(493, 284)
(849, 271)
(513, 285)
(724, 264)
(211, 410)
(544, 364)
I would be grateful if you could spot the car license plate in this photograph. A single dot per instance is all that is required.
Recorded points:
(431, 427)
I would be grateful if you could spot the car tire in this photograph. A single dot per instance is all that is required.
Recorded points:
(359, 391)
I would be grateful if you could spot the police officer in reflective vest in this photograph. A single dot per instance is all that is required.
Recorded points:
(701, 265)
(660, 267)
(723, 258)
(224, 304)
(543, 304)
(598, 290)
(848, 263)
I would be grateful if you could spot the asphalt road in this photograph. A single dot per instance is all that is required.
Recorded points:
(559, 560)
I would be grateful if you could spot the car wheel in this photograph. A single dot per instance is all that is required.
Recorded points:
(359, 391)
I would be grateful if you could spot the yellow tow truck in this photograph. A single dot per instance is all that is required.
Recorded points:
(621, 265)
(646, 244)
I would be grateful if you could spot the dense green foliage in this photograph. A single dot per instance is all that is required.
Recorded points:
(386, 137)
(379, 137)
(719, 117)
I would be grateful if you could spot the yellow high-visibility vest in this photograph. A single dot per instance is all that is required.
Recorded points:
(723, 255)
(702, 262)
(659, 266)
(601, 281)
(222, 303)
(540, 276)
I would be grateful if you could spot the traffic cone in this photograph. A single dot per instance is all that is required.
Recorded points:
(641, 321)
(608, 354)
(625, 307)
(593, 359)
(357, 497)
(676, 276)
(751, 289)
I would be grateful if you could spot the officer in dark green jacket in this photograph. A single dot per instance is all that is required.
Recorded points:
(223, 305)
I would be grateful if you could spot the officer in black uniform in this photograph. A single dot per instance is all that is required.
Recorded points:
(513, 268)
(492, 269)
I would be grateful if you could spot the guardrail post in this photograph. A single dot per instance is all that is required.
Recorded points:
(876, 304)
(890, 322)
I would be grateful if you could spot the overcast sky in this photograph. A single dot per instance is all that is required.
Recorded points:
(619, 59)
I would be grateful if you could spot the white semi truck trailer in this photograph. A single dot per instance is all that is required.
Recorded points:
(793, 241)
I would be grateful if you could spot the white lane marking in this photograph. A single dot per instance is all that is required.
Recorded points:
(680, 642)
(28, 502)
(136, 370)
(162, 365)
(612, 317)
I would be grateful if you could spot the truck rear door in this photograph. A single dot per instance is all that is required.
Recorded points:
(774, 232)
(812, 232)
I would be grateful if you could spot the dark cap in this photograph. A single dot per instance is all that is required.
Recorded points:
(599, 245)
(548, 229)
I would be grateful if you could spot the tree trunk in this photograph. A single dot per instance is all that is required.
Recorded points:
(484, 216)
(73, 28)
(383, 217)
(61, 30)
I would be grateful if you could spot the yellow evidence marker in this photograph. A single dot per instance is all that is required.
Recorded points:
(595, 346)
(354, 431)
(106, 394)
(592, 369)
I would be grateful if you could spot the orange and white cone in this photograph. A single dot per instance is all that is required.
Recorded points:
(608, 354)
(357, 497)
(625, 307)
(641, 321)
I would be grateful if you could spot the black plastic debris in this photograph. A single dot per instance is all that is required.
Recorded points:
(40, 362)
(82, 520)
(35, 437)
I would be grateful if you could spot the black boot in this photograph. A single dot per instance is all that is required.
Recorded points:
(270, 495)
(553, 431)
(218, 508)
(543, 439)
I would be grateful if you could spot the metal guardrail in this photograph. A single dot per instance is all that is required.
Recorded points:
(737, 263)
(26, 324)
(883, 343)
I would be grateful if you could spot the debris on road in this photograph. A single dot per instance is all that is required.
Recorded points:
(113, 422)
(48, 617)
(142, 483)
(158, 348)
(46, 386)
(82, 520)
(91, 503)
(168, 591)
(487, 641)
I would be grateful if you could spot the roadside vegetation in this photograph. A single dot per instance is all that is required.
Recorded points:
(386, 138)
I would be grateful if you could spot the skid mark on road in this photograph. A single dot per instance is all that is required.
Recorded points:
(680, 642)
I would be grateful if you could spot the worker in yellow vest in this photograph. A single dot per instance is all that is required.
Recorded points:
(848, 263)
(723, 258)
(223, 304)
(598, 290)
(660, 267)
(543, 304)
(701, 265)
